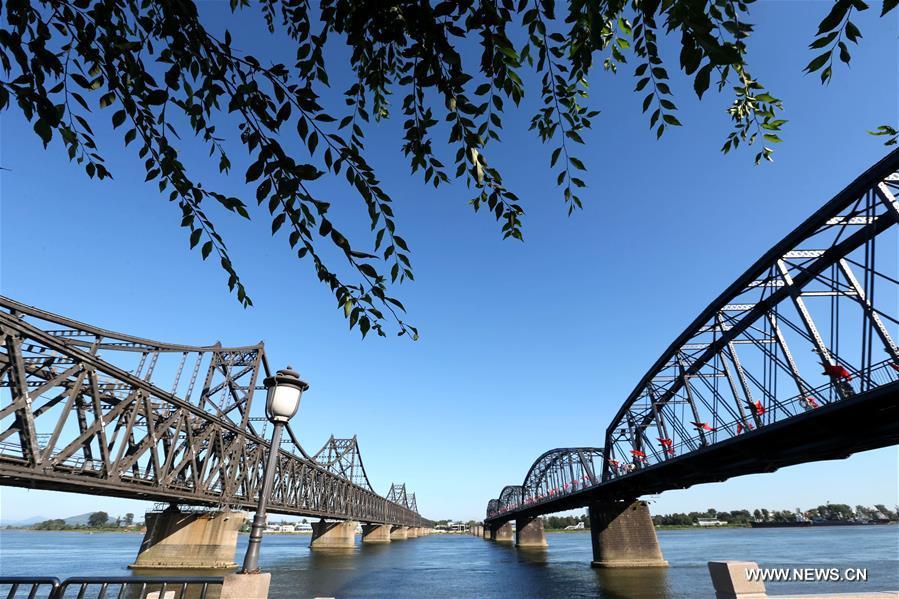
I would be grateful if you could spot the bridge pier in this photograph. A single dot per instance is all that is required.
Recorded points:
(485, 532)
(529, 532)
(184, 540)
(376, 533)
(333, 535)
(399, 533)
(623, 536)
(502, 533)
(411, 532)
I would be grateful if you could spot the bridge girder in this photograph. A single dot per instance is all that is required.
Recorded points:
(85, 409)
(810, 326)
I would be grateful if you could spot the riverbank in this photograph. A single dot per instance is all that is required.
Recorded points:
(562, 530)
(695, 527)
(659, 527)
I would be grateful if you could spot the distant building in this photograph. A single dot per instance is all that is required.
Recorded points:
(709, 522)
(451, 527)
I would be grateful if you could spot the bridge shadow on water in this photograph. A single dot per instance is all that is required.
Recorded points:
(628, 583)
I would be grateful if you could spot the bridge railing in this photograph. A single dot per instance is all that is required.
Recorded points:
(883, 373)
(107, 587)
(816, 312)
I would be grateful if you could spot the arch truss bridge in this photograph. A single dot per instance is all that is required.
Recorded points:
(88, 410)
(795, 361)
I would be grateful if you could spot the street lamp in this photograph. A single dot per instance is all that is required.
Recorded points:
(283, 392)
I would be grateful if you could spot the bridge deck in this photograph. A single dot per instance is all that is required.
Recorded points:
(835, 431)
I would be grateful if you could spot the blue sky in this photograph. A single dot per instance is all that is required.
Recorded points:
(524, 347)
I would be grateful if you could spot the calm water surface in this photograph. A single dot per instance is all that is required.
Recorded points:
(451, 566)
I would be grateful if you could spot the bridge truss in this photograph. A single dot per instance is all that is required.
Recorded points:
(808, 329)
(87, 410)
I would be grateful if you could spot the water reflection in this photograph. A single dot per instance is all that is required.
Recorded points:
(534, 556)
(626, 583)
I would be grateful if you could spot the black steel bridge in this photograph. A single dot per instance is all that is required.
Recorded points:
(88, 410)
(794, 362)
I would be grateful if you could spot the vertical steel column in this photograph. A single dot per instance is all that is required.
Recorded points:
(18, 381)
(685, 381)
(788, 356)
(807, 321)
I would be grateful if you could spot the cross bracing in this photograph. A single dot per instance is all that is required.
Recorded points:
(84, 409)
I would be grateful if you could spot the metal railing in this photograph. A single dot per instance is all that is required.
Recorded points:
(110, 587)
(878, 375)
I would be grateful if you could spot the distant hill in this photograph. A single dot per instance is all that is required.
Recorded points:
(79, 520)
(24, 522)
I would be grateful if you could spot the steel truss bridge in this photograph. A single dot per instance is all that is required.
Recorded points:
(796, 361)
(88, 410)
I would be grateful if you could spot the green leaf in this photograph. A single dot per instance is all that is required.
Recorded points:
(818, 62)
(852, 32)
(255, 170)
(671, 120)
(835, 16)
(157, 97)
(888, 5)
(43, 131)
(577, 163)
(844, 53)
(195, 237)
(701, 82)
(278, 221)
(823, 41)
(107, 99)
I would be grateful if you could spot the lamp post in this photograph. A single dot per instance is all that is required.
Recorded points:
(283, 392)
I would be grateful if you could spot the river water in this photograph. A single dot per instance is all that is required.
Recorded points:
(450, 566)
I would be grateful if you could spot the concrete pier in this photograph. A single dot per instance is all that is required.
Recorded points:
(398, 533)
(485, 532)
(333, 535)
(411, 532)
(529, 533)
(376, 533)
(502, 534)
(623, 536)
(244, 586)
(184, 540)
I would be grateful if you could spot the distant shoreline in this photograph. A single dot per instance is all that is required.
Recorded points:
(90, 530)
